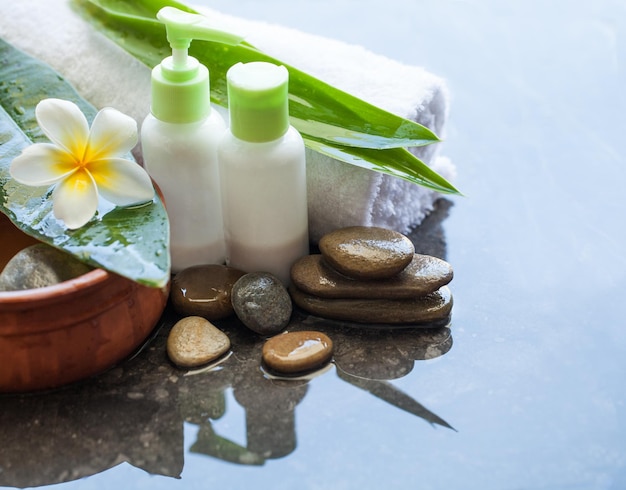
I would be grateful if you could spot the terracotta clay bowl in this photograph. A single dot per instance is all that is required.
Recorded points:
(70, 331)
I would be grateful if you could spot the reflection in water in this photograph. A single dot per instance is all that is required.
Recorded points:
(389, 393)
(211, 444)
(429, 237)
(69, 434)
(136, 412)
(380, 354)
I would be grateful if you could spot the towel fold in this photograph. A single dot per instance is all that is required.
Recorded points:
(339, 194)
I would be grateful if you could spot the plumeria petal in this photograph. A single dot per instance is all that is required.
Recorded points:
(112, 135)
(75, 199)
(121, 181)
(83, 162)
(42, 164)
(64, 123)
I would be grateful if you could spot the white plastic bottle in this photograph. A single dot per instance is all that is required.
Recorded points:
(179, 143)
(263, 173)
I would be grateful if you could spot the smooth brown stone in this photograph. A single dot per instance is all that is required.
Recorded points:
(367, 252)
(204, 290)
(424, 275)
(296, 352)
(426, 309)
(194, 341)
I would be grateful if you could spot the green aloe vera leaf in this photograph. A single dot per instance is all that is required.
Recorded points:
(405, 165)
(132, 242)
(324, 115)
(316, 108)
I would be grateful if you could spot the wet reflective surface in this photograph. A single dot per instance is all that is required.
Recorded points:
(526, 388)
(143, 411)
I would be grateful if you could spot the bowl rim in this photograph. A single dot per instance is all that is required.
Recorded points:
(55, 291)
(90, 279)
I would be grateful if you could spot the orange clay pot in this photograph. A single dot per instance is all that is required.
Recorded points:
(67, 332)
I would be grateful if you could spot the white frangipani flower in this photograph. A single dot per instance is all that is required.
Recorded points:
(83, 162)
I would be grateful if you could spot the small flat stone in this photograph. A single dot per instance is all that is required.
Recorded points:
(262, 303)
(424, 275)
(367, 252)
(297, 352)
(424, 310)
(204, 290)
(194, 341)
(38, 266)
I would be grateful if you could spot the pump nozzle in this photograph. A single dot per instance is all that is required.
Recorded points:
(182, 27)
(180, 84)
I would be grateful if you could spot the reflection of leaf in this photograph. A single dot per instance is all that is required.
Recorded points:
(209, 443)
(389, 393)
(330, 120)
(132, 242)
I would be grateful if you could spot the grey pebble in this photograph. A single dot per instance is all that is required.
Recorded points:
(38, 266)
(262, 303)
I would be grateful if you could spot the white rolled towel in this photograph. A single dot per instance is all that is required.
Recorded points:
(339, 194)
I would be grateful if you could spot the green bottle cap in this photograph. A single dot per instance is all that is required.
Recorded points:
(258, 101)
(180, 84)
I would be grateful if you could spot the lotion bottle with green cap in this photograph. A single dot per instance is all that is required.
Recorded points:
(179, 142)
(263, 173)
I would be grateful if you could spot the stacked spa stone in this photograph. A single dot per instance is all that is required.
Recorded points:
(373, 275)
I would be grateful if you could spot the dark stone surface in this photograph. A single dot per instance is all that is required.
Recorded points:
(135, 412)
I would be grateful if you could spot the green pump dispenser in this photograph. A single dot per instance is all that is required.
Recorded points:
(180, 84)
